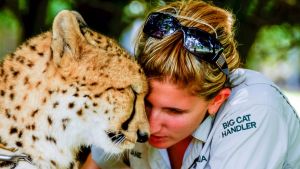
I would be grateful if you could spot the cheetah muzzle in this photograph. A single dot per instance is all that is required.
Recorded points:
(67, 88)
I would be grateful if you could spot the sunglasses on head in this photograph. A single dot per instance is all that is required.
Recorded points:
(198, 42)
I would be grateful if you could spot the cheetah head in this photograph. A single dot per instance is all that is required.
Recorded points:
(109, 86)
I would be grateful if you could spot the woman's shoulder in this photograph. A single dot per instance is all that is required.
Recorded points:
(253, 95)
(251, 88)
(245, 77)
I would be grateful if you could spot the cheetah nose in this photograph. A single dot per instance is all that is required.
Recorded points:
(142, 136)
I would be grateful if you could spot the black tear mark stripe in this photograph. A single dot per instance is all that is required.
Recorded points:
(125, 125)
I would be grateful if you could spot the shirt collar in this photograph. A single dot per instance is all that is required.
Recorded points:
(203, 130)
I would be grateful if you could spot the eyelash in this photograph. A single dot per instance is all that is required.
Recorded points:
(174, 111)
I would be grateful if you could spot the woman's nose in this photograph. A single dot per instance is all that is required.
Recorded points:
(155, 121)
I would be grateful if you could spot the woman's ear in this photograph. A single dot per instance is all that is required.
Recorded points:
(218, 100)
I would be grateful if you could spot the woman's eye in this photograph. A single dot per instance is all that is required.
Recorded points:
(175, 111)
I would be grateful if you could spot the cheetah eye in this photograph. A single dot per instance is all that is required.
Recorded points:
(134, 91)
(139, 88)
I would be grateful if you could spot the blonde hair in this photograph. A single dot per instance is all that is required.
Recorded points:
(167, 59)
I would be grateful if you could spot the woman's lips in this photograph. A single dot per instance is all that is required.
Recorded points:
(155, 139)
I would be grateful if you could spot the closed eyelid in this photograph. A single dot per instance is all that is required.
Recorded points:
(172, 109)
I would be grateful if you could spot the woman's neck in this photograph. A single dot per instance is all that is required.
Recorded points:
(176, 152)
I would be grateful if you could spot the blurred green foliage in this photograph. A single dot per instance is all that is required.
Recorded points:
(54, 6)
(10, 31)
(276, 53)
(273, 44)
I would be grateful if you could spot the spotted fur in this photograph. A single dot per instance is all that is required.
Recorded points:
(67, 88)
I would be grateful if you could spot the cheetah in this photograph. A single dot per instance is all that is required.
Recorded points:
(67, 88)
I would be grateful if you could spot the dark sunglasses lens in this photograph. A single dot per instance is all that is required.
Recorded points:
(201, 44)
(159, 25)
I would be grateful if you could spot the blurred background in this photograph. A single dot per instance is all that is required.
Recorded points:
(268, 31)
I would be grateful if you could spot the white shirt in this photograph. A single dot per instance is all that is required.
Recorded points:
(256, 128)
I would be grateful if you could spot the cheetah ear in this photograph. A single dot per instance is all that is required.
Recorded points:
(66, 35)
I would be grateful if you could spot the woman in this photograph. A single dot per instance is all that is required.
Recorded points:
(203, 111)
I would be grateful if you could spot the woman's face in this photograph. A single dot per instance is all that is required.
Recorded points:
(173, 113)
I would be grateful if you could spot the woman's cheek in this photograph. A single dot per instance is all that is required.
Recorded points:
(177, 122)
